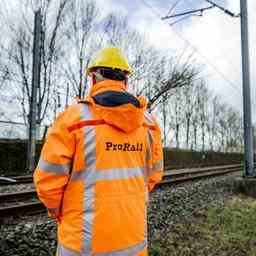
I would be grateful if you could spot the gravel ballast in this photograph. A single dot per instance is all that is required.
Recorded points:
(16, 188)
(167, 208)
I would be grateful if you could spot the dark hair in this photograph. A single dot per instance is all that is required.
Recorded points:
(112, 74)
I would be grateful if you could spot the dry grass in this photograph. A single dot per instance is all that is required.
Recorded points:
(222, 229)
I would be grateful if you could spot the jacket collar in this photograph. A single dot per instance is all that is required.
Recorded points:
(125, 117)
(107, 85)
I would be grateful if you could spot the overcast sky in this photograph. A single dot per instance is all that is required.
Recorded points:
(214, 37)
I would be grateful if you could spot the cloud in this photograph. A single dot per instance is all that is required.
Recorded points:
(156, 31)
(215, 38)
(109, 6)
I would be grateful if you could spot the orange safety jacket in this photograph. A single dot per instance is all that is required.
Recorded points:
(96, 167)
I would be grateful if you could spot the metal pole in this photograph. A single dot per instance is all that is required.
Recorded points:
(67, 95)
(248, 137)
(35, 84)
(81, 78)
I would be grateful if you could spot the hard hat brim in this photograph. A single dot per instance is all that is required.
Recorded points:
(90, 70)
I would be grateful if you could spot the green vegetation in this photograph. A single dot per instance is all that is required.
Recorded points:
(227, 229)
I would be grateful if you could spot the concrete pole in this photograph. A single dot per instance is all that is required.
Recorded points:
(35, 84)
(248, 136)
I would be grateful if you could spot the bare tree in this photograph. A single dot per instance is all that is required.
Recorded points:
(234, 126)
(19, 52)
(72, 31)
(176, 114)
(203, 102)
(179, 77)
(81, 41)
(195, 118)
(212, 124)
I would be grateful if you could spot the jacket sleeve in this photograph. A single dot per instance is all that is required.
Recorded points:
(53, 169)
(156, 169)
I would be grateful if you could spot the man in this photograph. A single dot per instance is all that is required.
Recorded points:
(100, 159)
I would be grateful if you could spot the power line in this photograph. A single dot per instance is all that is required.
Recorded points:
(233, 85)
(183, 18)
(201, 10)
(228, 50)
(172, 7)
(12, 122)
(223, 9)
(186, 15)
(158, 14)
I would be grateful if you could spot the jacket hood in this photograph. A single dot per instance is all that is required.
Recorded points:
(117, 107)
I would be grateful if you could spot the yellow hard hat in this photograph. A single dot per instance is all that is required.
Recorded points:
(110, 57)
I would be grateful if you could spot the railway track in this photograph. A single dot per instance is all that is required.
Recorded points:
(185, 175)
(16, 180)
(13, 203)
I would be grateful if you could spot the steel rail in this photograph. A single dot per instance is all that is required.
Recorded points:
(182, 179)
(174, 169)
(169, 175)
(170, 178)
(16, 180)
(188, 171)
(4, 197)
(25, 208)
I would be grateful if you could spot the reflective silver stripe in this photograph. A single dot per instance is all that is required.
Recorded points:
(116, 174)
(108, 174)
(77, 175)
(131, 251)
(63, 251)
(89, 193)
(159, 165)
(149, 146)
(150, 137)
(148, 154)
(90, 175)
(56, 168)
(149, 119)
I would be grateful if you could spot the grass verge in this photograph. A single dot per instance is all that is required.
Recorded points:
(222, 229)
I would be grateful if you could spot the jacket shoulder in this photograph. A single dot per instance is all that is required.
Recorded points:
(70, 115)
(149, 118)
(151, 121)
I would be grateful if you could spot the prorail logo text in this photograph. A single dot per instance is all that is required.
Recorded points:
(123, 146)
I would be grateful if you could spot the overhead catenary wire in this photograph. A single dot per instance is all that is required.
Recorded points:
(188, 12)
(229, 50)
(11, 122)
(223, 9)
(185, 15)
(173, 7)
(158, 14)
(183, 18)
